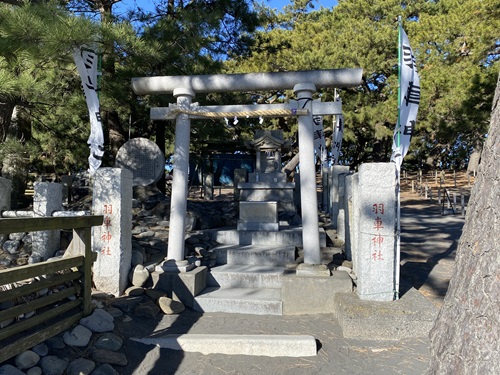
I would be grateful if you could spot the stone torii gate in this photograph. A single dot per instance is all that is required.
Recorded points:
(184, 88)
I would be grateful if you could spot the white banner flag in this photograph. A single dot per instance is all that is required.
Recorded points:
(338, 135)
(408, 101)
(319, 138)
(86, 63)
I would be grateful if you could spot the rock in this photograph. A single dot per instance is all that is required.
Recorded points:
(108, 356)
(26, 360)
(35, 259)
(154, 294)
(169, 306)
(10, 370)
(11, 246)
(105, 369)
(101, 295)
(147, 310)
(109, 341)
(344, 268)
(114, 312)
(140, 275)
(52, 365)
(200, 250)
(151, 267)
(34, 371)
(137, 258)
(22, 261)
(55, 343)
(193, 240)
(5, 323)
(347, 263)
(146, 234)
(5, 262)
(99, 321)
(134, 291)
(79, 336)
(80, 366)
(127, 305)
(41, 349)
(17, 236)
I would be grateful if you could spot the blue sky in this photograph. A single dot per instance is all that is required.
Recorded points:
(278, 4)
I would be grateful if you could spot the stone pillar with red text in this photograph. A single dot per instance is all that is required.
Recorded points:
(112, 198)
(376, 246)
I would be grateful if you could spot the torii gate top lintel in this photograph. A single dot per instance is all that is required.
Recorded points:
(247, 81)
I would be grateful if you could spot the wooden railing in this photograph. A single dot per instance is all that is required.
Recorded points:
(55, 312)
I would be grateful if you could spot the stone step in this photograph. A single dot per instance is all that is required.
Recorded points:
(290, 236)
(277, 255)
(257, 301)
(245, 276)
(237, 344)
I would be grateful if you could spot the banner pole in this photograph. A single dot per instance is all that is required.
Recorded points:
(397, 272)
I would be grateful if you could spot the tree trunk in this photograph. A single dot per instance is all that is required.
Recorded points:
(466, 336)
(290, 167)
(6, 110)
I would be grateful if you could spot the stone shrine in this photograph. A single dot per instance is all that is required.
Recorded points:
(267, 195)
(144, 159)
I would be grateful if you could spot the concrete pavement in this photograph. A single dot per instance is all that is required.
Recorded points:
(429, 242)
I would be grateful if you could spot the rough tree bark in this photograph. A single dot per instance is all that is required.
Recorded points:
(466, 336)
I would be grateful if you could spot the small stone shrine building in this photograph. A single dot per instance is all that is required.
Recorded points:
(266, 196)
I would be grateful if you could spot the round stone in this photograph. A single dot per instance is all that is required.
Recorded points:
(27, 359)
(34, 371)
(99, 321)
(79, 336)
(109, 341)
(143, 158)
(52, 365)
(169, 306)
(80, 366)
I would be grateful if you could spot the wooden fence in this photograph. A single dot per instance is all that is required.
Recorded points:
(54, 313)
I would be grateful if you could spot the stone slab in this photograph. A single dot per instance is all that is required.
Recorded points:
(143, 158)
(291, 236)
(259, 212)
(266, 191)
(252, 345)
(256, 301)
(411, 316)
(256, 226)
(304, 295)
(111, 241)
(245, 276)
(47, 199)
(334, 191)
(267, 177)
(305, 269)
(375, 268)
(277, 255)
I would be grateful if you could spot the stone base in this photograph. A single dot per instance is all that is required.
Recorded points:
(411, 316)
(174, 266)
(267, 227)
(181, 286)
(305, 269)
(304, 295)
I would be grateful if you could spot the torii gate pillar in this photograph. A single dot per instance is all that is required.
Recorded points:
(175, 254)
(308, 195)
